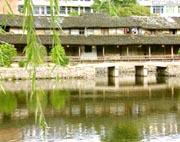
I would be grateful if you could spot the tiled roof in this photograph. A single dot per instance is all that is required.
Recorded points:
(97, 40)
(99, 21)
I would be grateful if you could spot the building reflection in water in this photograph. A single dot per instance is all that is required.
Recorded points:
(91, 112)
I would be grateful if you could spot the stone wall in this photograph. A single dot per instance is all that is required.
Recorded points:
(48, 72)
(89, 71)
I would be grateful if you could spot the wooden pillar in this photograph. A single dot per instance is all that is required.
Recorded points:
(103, 50)
(172, 52)
(79, 51)
(127, 51)
(149, 51)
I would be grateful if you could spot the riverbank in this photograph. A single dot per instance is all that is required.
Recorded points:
(89, 71)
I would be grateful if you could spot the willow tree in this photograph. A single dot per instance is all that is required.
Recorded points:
(33, 49)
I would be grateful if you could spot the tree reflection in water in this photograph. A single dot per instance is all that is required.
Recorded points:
(125, 132)
(58, 98)
(8, 102)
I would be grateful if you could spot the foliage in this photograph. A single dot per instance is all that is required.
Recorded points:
(122, 133)
(179, 51)
(120, 8)
(8, 102)
(73, 13)
(58, 56)
(7, 52)
(21, 63)
(38, 98)
(35, 53)
(58, 98)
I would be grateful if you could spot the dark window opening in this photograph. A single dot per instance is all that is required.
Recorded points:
(173, 32)
(88, 49)
(127, 30)
(105, 31)
(81, 31)
(6, 28)
(20, 7)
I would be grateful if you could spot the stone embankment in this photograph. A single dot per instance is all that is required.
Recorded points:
(48, 71)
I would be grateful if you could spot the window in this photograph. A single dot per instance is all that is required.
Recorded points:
(81, 31)
(62, 10)
(75, 8)
(6, 28)
(104, 31)
(81, 9)
(68, 10)
(88, 49)
(158, 9)
(127, 30)
(36, 10)
(42, 10)
(178, 9)
(173, 32)
(170, 9)
(20, 7)
(48, 10)
(87, 9)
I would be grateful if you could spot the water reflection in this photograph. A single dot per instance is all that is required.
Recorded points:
(101, 110)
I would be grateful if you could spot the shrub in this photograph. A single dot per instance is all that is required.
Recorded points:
(7, 52)
(58, 56)
(21, 63)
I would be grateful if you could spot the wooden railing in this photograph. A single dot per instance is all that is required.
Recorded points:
(115, 58)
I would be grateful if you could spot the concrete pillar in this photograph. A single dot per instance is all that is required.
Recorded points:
(141, 70)
(161, 71)
(113, 71)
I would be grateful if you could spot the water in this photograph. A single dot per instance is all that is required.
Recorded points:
(124, 109)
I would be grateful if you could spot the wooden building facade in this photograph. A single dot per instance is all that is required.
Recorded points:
(99, 37)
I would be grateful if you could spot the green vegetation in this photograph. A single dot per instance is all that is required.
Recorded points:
(8, 102)
(7, 52)
(58, 99)
(120, 8)
(73, 13)
(124, 132)
(35, 52)
(58, 56)
(21, 63)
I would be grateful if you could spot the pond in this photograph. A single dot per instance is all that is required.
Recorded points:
(123, 109)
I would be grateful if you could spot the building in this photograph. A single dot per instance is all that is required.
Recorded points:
(162, 7)
(99, 37)
(42, 7)
(4, 6)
